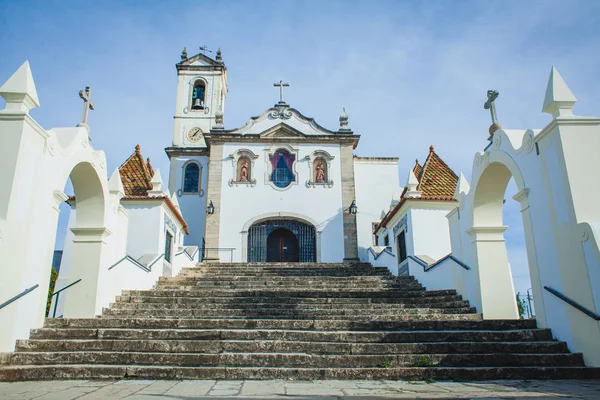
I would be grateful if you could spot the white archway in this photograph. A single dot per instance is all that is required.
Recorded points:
(494, 278)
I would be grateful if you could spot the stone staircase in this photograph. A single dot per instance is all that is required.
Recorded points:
(290, 321)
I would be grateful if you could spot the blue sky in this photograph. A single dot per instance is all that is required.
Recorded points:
(410, 73)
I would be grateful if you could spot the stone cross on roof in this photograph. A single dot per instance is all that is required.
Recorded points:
(490, 105)
(281, 84)
(86, 96)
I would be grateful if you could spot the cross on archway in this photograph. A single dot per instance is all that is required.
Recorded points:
(86, 96)
(490, 105)
(281, 84)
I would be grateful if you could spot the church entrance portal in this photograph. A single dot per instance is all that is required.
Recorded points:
(281, 241)
(282, 246)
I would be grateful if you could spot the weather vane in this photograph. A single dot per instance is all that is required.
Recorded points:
(204, 49)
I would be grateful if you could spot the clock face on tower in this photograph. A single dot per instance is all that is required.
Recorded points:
(194, 135)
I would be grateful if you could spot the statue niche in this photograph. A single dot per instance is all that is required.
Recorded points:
(319, 163)
(320, 172)
(243, 168)
(243, 174)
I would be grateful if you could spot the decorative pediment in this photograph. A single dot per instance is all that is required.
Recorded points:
(297, 125)
(282, 130)
(199, 60)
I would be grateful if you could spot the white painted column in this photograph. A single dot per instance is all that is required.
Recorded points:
(495, 280)
(86, 260)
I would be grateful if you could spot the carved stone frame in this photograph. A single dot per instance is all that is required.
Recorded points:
(200, 191)
(193, 81)
(271, 151)
(235, 157)
(311, 182)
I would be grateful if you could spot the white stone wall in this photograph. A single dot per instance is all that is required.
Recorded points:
(376, 180)
(192, 206)
(430, 232)
(241, 204)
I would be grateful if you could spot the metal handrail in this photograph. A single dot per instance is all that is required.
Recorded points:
(57, 293)
(438, 262)
(187, 254)
(578, 306)
(137, 263)
(207, 249)
(17, 297)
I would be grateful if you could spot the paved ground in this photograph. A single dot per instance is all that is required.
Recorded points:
(300, 390)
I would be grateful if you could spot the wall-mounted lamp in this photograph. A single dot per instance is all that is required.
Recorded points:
(353, 209)
(210, 209)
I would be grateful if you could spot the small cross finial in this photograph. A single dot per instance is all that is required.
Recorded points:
(492, 95)
(86, 96)
(281, 85)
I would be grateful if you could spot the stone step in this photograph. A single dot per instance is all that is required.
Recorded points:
(298, 265)
(287, 275)
(278, 280)
(293, 359)
(289, 306)
(292, 315)
(341, 301)
(272, 309)
(95, 371)
(346, 337)
(290, 274)
(273, 324)
(282, 292)
(279, 346)
(260, 285)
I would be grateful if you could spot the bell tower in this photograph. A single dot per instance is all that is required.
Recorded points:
(201, 92)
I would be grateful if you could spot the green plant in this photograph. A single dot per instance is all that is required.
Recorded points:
(430, 380)
(53, 278)
(423, 361)
(521, 305)
(386, 364)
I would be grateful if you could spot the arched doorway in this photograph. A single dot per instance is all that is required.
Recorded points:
(496, 284)
(282, 246)
(286, 240)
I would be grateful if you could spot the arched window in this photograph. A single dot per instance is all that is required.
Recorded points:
(320, 170)
(282, 175)
(191, 178)
(244, 170)
(198, 96)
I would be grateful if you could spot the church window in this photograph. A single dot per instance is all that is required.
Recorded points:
(191, 178)
(401, 241)
(282, 162)
(198, 96)
(168, 246)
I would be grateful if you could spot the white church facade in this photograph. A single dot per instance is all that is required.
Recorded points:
(279, 188)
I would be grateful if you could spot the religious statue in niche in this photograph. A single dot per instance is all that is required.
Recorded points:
(244, 171)
(319, 172)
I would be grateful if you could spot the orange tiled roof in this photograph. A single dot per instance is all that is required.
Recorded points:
(437, 182)
(136, 175)
(436, 179)
(417, 169)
